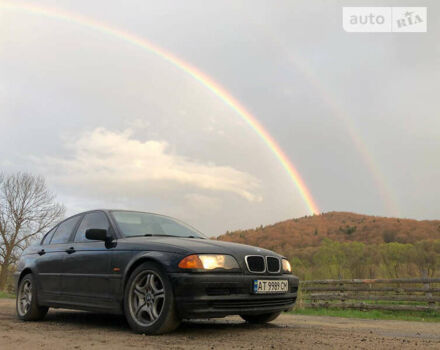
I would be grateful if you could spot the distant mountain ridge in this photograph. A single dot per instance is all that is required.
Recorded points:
(310, 231)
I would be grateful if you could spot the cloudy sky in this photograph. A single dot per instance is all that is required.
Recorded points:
(110, 124)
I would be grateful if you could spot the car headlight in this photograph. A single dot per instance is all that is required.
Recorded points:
(208, 262)
(287, 268)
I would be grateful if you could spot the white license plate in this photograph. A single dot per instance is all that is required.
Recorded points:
(270, 286)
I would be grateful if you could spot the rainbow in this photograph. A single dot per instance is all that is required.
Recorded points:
(380, 182)
(201, 77)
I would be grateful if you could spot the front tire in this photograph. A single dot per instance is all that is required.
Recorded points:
(261, 318)
(27, 301)
(149, 304)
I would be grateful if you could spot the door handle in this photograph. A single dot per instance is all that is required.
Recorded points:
(70, 250)
(41, 252)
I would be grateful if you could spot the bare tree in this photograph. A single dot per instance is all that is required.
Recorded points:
(27, 209)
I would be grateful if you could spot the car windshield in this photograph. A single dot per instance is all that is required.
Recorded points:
(136, 224)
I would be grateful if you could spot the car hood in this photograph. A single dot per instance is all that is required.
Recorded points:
(188, 246)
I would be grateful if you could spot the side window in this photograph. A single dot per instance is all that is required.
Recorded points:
(46, 239)
(64, 230)
(91, 220)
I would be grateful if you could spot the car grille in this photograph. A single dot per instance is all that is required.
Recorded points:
(255, 263)
(251, 303)
(273, 264)
(259, 264)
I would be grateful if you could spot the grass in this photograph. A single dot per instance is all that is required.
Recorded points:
(6, 295)
(425, 316)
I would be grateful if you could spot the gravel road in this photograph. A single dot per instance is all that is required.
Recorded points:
(64, 329)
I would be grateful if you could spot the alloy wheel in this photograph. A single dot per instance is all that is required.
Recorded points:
(146, 298)
(25, 297)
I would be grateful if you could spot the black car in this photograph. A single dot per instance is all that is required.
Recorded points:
(153, 269)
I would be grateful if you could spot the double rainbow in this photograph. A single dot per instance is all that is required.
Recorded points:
(204, 79)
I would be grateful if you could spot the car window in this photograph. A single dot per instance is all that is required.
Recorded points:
(64, 230)
(46, 239)
(91, 220)
(140, 224)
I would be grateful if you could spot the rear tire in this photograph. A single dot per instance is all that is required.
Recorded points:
(149, 305)
(261, 318)
(27, 301)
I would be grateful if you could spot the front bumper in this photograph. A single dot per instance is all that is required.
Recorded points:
(201, 295)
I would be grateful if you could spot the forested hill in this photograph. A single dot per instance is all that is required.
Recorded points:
(310, 231)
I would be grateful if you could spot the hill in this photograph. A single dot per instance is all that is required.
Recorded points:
(309, 231)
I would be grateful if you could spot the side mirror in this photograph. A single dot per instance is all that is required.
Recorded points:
(97, 234)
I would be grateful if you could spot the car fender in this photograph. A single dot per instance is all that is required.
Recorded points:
(25, 265)
(167, 260)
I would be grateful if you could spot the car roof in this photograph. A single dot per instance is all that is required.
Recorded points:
(126, 210)
(110, 210)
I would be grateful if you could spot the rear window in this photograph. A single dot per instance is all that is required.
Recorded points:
(46, 239)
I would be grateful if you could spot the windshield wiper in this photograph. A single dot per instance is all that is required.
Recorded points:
(153, 235)
(150, 235)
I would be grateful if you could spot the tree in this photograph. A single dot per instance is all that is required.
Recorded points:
(426, 256)
(330, 259)
(395, 256)
(27, 209)
(356, 259)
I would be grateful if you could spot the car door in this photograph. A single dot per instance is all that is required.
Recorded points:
(49, 264)
(87, 268)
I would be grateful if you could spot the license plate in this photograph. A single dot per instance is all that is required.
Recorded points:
(270, 286)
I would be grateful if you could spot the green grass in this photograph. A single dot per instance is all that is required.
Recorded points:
(6, 295)
(425, 316)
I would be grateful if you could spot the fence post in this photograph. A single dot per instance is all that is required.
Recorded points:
(428, 293)
(341, 293)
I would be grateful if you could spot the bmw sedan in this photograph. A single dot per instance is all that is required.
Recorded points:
(153, 269)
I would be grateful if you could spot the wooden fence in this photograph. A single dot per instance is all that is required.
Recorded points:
(414, 294)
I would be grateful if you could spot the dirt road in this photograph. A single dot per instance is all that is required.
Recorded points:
(64, 329)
